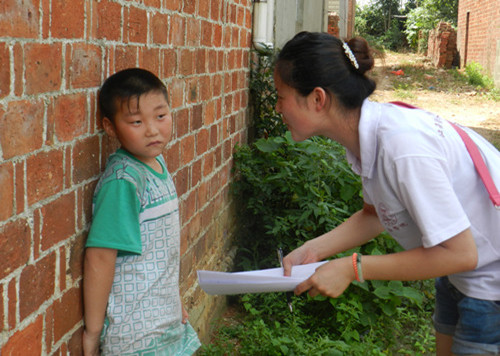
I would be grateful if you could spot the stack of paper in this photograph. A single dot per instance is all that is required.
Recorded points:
(266, 280)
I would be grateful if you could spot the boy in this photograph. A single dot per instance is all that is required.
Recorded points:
(131, 269)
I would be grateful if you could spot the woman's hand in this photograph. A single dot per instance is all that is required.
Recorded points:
(301, 255)
(330, 279)
(91, 343)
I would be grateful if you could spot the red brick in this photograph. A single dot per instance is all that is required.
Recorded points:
(177, 30)
(75, 343)
(176, 93)
(169, 62)
(173, 157)
(21, 128)
(125, 57)
(39, 277)
(67, 20)
(84, 65)
(43, 67)
(75, 263)
(181, 179)
(153, 3)
(20, 192)
(6, 190)
(217, 36)
(204, 9)
(181, 122)
(159, 28)
(189, 6)
(108, 19)
(197, 117)
(44, 173)
(201, 59)
(208, 164)
(186, 59)
(18, 69)
(196, 173)
(193, 32)
(5, 72)
(84, 213)
(202, 138)
(67, 313)
(136, 25)
(187, 149)
(216, 10)
(58, 221)
(175, 5)
(12, 307)
(69, 114)
(15, 241)
(27, 341)
(86, 160)
(19, 18)
(150, 59)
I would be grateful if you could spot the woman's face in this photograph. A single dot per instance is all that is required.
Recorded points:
(294, 110)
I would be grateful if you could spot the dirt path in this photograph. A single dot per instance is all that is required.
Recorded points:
(436, 91)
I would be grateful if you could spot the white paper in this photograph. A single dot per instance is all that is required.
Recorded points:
(260, 281)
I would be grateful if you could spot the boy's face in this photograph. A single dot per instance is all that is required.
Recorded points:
(143, 126)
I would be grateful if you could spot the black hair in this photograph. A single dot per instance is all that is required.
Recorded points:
(315, 59)
(125, 85)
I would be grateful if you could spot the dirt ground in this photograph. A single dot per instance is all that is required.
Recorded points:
(435, 92)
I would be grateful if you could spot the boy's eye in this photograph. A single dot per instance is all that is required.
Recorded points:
(136, 123)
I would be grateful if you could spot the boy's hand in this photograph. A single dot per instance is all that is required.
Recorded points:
(91, 344)
(185, 315)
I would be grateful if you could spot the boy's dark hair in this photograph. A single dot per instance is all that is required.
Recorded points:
(125, 85)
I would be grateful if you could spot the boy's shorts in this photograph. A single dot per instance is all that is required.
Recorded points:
(473, 323)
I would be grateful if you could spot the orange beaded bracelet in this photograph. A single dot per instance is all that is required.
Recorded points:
(356, 263)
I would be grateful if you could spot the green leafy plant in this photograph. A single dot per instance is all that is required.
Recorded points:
(475, 74)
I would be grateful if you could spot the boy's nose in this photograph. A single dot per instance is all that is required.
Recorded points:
(151, 129)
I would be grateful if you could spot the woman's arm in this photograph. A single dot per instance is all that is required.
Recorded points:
(98, 274)
(360, 228)
(457, 254)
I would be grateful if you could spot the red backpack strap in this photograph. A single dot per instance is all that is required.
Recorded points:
(476, 156)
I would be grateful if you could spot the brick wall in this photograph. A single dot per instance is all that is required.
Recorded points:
(54, 54)
(442, 45)
(483, 34)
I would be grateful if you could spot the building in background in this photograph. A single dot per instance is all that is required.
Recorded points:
(478, 35)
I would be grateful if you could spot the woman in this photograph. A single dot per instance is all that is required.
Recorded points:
(419, 184)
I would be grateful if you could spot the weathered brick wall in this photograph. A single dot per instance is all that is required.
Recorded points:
(53, 57)
(483, 33)
(442, 45)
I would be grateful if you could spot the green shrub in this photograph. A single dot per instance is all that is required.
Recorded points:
(289, 192)
(475, 74)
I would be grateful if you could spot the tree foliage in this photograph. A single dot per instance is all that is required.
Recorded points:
(393, 23)
(426, 16)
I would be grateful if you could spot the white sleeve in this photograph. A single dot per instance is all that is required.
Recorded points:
(424, 186)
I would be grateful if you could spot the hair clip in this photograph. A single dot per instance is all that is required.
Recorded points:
(350, 55)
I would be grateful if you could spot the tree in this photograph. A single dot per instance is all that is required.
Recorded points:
(426, 15)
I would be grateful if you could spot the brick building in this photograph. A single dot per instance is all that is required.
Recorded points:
(53, 57)
(478, 35)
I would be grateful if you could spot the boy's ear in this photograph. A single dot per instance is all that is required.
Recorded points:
(108, 127)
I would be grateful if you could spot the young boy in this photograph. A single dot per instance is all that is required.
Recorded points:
(131, 268)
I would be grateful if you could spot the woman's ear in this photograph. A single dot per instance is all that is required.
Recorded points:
(108, 127)
(320, 98)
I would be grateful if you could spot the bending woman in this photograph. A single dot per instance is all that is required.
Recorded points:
(419, 184)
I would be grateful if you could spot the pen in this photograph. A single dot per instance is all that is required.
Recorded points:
(288, 294)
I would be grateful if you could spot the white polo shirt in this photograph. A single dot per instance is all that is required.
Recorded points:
(419, 176)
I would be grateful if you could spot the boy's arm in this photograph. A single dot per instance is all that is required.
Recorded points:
(98, 274)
